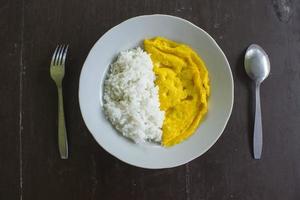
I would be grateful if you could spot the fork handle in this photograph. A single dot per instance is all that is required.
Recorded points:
(62, 133)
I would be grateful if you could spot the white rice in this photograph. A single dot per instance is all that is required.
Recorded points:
(131, 99)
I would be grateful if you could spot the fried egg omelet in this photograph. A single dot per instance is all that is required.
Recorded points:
(183, 82)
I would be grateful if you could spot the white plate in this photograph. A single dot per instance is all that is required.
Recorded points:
(130, 34)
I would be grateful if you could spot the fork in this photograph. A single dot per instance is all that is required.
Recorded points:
(57, 73)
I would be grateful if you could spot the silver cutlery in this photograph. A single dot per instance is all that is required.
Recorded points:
(257, 66)
(57, 72)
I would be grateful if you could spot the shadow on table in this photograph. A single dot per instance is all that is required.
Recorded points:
(243, 77)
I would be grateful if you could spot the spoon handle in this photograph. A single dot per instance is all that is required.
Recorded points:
(257, 135)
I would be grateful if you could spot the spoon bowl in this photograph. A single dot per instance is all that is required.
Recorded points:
(257, 63)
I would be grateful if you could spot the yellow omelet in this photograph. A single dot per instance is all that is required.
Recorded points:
(183, 82)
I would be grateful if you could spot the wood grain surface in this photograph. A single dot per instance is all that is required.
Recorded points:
(30, 167)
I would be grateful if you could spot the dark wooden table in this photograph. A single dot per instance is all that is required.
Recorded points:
(30, 167)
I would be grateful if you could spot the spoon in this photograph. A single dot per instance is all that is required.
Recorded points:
(257, 66)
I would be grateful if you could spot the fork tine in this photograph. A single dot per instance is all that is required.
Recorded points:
(58, 59)
(54, 55)
(58, 56)
(62, 55)
(65, 55)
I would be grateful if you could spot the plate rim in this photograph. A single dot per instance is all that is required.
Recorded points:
(227, 117)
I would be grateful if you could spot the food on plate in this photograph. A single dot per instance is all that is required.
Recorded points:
(158, 95)
(131, 100)
(183, 82)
